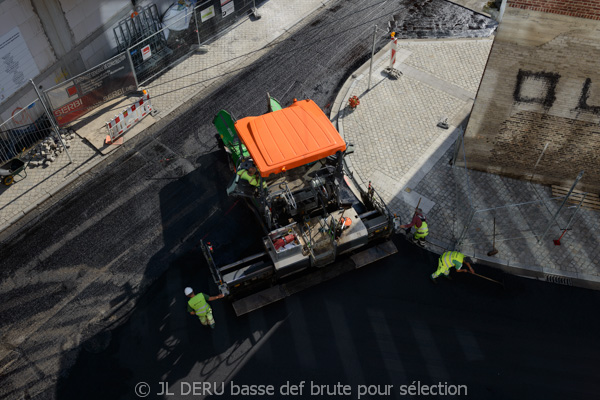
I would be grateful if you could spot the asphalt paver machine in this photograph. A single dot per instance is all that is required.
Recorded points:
(288, 166)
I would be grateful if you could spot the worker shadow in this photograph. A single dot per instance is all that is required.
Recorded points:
(152, 338)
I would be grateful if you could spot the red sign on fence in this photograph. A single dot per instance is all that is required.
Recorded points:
(146, 53)
(67, 108)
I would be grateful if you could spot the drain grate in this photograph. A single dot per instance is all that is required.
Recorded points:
(561, 280)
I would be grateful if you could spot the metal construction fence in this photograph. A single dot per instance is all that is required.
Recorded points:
(81, 94)
(491, 209)
(147, 44)
(26, 128)
(154, 45)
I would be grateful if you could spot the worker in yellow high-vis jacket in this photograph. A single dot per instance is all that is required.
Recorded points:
(421, 228)
(451, 259)
(251, 175)
(198, 305)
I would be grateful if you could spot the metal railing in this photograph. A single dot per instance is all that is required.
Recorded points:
(77, 96)
(482, 215)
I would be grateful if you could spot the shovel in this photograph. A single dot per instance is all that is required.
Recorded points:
(494, 250)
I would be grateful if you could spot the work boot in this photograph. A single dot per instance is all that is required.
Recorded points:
(432, 279)
(448, 277)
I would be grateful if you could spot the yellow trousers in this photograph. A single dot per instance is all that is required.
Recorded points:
(442, 269)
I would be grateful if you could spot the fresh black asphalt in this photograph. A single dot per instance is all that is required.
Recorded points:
(385, 324)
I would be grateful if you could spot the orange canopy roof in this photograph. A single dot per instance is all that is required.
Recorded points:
(288, 138)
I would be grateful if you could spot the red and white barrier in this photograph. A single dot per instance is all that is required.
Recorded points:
(393, 72)
(394, 47)
(128, 118)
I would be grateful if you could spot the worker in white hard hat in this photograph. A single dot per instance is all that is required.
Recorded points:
(198, 305)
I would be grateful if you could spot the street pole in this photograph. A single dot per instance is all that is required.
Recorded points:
(197, 29)
(372, 55)
(137, 86)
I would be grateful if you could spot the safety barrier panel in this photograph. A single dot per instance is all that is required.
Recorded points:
(391, 70)
(130, 116)
(27, 127)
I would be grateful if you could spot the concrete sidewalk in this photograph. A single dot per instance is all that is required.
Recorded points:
(225, 58)
(400, 149)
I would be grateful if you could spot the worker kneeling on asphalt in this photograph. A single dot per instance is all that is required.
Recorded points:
(198, 305)
(451, 259)
(251, 176)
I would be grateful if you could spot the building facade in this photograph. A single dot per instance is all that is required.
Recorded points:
(50, 40)
(537, 111)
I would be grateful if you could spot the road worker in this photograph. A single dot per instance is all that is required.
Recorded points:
(198, 305)
(451, 259)
(421, 229)
(251, 176)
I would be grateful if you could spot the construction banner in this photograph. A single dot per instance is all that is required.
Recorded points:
(81, 94)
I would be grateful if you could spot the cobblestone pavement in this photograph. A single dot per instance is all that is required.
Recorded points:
(43, 181)
(400, 149)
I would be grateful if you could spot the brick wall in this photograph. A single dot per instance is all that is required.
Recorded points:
(541, 85)
(573, 8)
(573, 146)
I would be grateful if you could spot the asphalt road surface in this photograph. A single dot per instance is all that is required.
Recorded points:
(385, 324)
(91, 290)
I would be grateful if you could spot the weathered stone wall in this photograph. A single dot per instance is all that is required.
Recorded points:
(541, 85)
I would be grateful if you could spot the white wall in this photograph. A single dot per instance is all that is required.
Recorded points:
(99, 50)
(19, 13)
(85, 16)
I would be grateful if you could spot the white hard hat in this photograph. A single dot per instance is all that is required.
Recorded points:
(188, 291)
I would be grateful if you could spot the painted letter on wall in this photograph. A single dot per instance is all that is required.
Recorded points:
(536, 87)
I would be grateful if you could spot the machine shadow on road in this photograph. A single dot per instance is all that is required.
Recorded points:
(158, 340)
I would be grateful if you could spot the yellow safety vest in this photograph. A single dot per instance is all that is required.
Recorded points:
(254, 180)
(449, 257)
(423, 230)
(199, 304)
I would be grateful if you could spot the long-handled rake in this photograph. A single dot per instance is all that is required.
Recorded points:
(489, 279)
